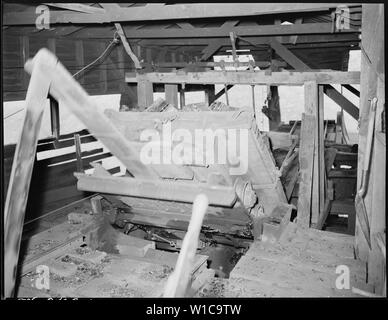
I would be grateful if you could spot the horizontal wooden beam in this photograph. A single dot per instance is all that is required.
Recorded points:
(248, 77)
(167, 12)
(103, 32)
(266, 30)
(157, 189)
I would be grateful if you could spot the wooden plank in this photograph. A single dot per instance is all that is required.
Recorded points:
(372, 66)
(306, 158)
(68, 156)
(145, 94)
(311, 97)
(376, 259)
(339, 135)
(343, 102)
(163, 190)
(177, 11)
(16, 200)
(243, 77)
(321, 149)
(288, 56)
(172, 94)
(126, 45)
(352, 89)
(223, 31)
(68, 91)
(214, 46)
(63, 143)
(211, 49)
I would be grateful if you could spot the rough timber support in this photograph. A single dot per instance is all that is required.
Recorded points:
(247, 78)
(20, 179)
(157, 189)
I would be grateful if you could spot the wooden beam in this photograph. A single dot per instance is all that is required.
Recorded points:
(274, 115)
(352, 89)
(377, 256)
(210, 96)
(288, 56)
(343, 102)
(23, 163)
(321, 150)
(224, 31)
(211, 49)
(157, 189)
(294, 39)
(214, 46)
(102, 32)
(126, 45)
(329, 90)
(145, 94)
(167, 12)
(244, 77)
(306, 159)
(65, 89)
(76, 7)
(311, 100)
(172, 94)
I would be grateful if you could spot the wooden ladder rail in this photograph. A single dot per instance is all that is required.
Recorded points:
(48, 75)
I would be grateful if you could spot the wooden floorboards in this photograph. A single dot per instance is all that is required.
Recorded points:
(302, 264)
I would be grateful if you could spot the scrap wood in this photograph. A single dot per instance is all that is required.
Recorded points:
(160, 105)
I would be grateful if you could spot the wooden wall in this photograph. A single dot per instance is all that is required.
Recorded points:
(373, 85)
(105, 78)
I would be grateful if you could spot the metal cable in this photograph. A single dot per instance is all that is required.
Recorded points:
(115, 41)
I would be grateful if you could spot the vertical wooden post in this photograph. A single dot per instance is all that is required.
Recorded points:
(311, 108)
(182, 96)
(171, 94)
(79, 58)
(145, 94)
(78, 152)
(306, 158)
(210, 94)
(321, 149)
(376, 260)
(372, 66)
(226, 94)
